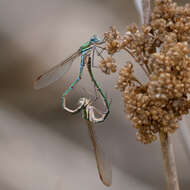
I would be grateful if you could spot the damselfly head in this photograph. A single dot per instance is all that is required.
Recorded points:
(94, 38)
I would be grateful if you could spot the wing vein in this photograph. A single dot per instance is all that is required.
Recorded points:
(55, 72)
(103, 165)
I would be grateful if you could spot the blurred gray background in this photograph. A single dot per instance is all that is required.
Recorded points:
(42, 147)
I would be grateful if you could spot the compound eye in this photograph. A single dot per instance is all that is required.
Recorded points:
(94, 38)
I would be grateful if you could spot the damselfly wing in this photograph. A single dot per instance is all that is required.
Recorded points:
(103, 165)
(56, 72)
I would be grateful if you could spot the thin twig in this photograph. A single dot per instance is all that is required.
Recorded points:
(141, 65)
(169, 161)
(146, 11)
(136, 80)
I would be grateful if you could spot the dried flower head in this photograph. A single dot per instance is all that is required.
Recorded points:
(162, 50)
(112, 40)
(108, 65)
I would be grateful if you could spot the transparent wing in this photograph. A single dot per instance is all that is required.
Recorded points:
(103, 165)
(55, 73)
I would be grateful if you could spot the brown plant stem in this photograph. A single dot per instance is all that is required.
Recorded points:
(169, 161)
(146, 11)
(165, 140)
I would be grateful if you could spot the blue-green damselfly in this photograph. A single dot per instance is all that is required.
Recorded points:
(87, 49)
(87, 53)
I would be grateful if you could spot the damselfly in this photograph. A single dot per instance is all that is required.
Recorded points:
(87, 49)
(88, 113)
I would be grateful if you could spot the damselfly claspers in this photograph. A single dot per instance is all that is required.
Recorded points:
(88, 113)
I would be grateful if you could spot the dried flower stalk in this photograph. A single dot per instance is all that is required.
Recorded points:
(169, 161)
(165, 140)
(162, 49)
(146, 11)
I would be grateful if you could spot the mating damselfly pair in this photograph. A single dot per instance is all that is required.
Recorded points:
(87, 52)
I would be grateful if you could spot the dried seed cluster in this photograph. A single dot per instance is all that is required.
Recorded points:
(168, 17)
(126, 77)
(108, 65)
(163, 52)
(112, 40)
